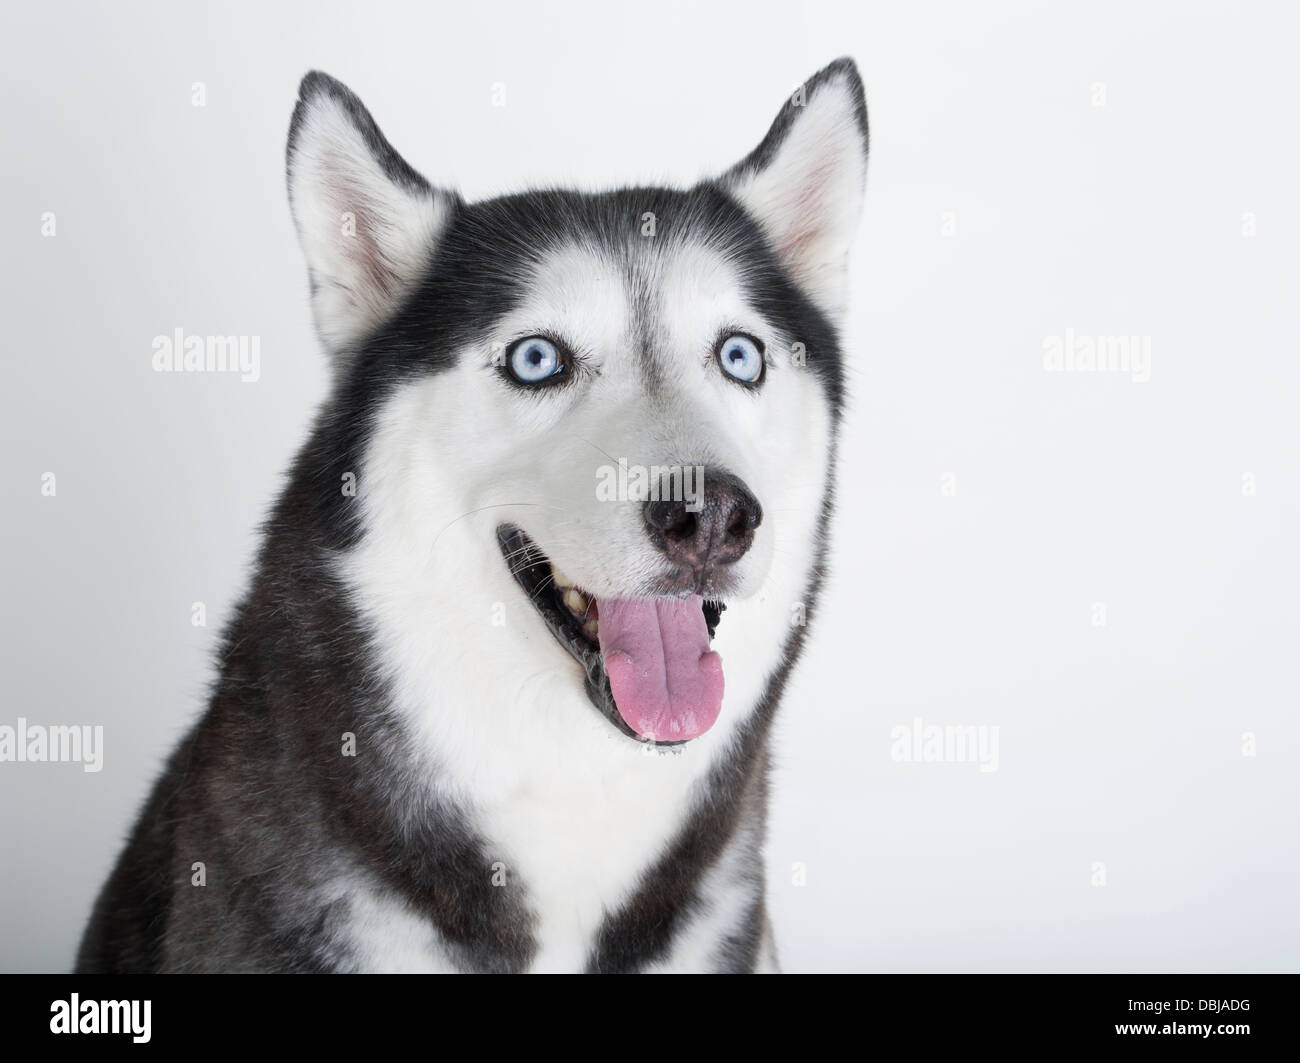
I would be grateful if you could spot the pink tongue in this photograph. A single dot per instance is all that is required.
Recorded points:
(667, 683)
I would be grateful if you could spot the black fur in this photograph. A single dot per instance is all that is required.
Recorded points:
(258, 791)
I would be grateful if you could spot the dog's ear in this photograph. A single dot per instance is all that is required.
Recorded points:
(368, 223)
(803, 184)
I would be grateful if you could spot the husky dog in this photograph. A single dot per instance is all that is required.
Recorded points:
(471, 715)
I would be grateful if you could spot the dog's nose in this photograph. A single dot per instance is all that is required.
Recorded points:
(716, 530)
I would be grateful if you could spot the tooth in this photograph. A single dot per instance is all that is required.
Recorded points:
(560, 579)
(574, 599)
(592, 629)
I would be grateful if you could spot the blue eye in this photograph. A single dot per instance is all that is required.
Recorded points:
(534, 360)
(741, 358)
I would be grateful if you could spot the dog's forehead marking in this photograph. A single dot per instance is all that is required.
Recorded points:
(654, 301)
(577, 291)
(699, 292)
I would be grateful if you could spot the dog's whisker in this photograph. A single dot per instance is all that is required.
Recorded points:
(496, 505)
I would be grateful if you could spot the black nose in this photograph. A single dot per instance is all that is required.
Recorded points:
(715, 528)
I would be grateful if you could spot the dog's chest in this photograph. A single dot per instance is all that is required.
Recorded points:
(571, 849)
(576, 845)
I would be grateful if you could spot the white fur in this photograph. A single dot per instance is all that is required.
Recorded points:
(386, 936)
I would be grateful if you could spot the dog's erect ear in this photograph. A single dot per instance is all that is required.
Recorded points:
(368, 223)
(803, 184)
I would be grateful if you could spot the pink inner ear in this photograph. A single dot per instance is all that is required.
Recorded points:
(361, 247)
(806, 213)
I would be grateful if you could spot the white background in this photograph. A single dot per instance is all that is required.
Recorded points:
(1119, 744)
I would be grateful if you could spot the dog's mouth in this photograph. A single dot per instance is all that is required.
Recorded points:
(648, 666)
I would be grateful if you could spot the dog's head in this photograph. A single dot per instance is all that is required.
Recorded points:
(622, 406)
